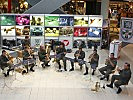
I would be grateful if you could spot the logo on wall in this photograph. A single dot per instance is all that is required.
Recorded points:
(126, 34)
(66, 42)
(128, 24)
(37, 42)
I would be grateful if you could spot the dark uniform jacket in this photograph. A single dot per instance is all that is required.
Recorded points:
(125, 75)
(96, 56)
(42, 54)
(25, 55)
(3, 61)
(25, 43)
(114, 61)
(60, 52)
(82, 54)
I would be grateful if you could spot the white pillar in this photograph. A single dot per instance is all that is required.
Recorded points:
(104, 8)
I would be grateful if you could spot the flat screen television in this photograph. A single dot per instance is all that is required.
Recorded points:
(37, 20)
(22, 19)
(94, 32)
(51, 20)
(66, 20)
(80, 32)
(51, 31)
(7, 20)
(22, 30)
(37, 31)
(80, 21)
(95, 22)
(66, 31)
(8, 30)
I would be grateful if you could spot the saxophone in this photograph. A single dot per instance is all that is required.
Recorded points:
(10, 57)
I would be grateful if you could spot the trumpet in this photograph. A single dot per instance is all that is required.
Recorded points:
(10, 57)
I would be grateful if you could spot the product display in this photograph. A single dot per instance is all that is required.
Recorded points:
(94, 32)
(95, 22)
(37, 31)
(52, 31)
(37, 20)
(51, 20)
(80, 21)
(80, 32)
(22, 30)
(66, 21)
(8, 30)
(22, 20)
(7, 20)
(66, 31)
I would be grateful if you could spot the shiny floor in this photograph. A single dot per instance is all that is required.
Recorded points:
(48, 84)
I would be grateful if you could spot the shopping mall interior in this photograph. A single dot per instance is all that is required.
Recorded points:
(66, 49)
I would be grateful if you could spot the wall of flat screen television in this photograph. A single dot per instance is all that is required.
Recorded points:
(50, 26)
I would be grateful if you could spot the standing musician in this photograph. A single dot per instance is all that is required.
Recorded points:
(111, 63)
(28, 57)
(79, 57)
(6, 63)
(121, 79)
(61, 52)
(93, 60)
(43, 56)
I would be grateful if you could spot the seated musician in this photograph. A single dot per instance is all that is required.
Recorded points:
(27, 57)
(121, 79)
(43, 56)
(60, 55)
(5, 63)
(26, 42)
(94, 58)
(111, 63)
(79, 57)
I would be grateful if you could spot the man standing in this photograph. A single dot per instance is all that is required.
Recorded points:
(111, 63)
(26, 42)
(94, 59)
(60, 55)
(122, 79)
(79, 57)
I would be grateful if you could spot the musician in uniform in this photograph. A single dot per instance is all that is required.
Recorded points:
(111, 63)
(28, 56)
(94, 59)
(26, 42)
(43, 56)
(5, 63)
(122, 79)
(61, 52)
(79, 57)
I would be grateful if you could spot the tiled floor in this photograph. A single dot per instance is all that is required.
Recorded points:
(47, 84)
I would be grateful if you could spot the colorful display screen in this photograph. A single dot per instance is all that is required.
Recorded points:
(94, 32)
(37, 20)
(8, 30)
(66, 31)
(95, 22)
(9, 42)
(51, 31)
(22, 30)
(66, 21)
(8, 20)
(80, 32)
(22, 20)
(37, 31)
(80, 21)
(51, 20)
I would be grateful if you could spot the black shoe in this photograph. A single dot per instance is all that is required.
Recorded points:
(109, 85)
(32, 70)
(80, 67)
(65, 69)
(93, 72)
(119, 90)
(5, 74)
(24, 72)
(71, 69)
(86, 73)
(102, 78)
(43, 66)
(107, 78)
(59, 70)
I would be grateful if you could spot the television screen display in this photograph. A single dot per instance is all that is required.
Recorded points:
(66, 31)
(37, 20)
(8, 30)
(22, 30)
(37, 31)
(79, 43)
(9, 42)
(7, 20)
(80, 21)
(52, 31)
(66, 21)
(80, 32)
(95, 22)
(51, 20)
(94, 32)
(22, 20)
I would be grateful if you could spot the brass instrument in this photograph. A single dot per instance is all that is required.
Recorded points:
(97, 86)
(47, 48)
(10, 57)
(91, 57)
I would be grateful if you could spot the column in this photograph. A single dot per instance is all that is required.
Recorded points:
(104, 8)
(9, 6)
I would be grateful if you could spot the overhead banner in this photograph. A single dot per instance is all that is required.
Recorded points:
(126, 31)
(67, 41)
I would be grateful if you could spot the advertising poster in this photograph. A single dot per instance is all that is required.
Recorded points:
(22, 19)
(80, 21)
(66, 20)
(8, 30)
(68, 41)
(8, 20)
(51, 20)
(94, 32)
(22, 30)
(95, 21)
(51, 31)
(9, 42)
(37, 41)
(66, 31)
(80, 32)
(37, 20)
(37, 31)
